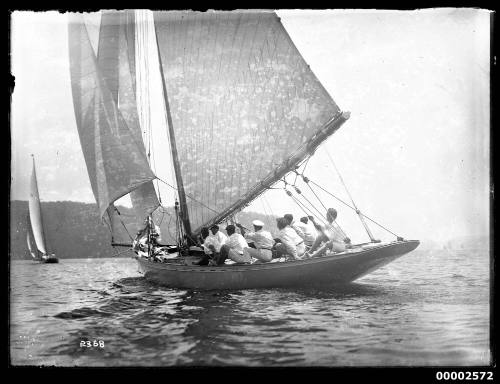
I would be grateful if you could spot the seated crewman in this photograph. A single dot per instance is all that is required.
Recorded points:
(139, 243)
(262, 240)
(330, 235)
(310, 233)
(205, 259)
(291, 244)
(236, 248)
(214, 241)
(294, 226)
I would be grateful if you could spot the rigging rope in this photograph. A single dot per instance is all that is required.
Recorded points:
(192, 198)
(168, 228)
(343, 202)
(123, 224)
(119, 253)
(352, 200)
(305, 209)
(306, 181)
(265, 210)
(319, 215)
(305, 166)
(162, 216)
(110, 225)
(324, 220)
(299, 192)
(268, 216)
(126, 230)
(269, 206)
(302, 206)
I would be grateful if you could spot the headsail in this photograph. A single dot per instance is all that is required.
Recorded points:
(112, 146)
(245, 106)
(116, 62)
(35, 213)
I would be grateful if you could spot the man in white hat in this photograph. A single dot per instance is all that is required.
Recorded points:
(263, 241)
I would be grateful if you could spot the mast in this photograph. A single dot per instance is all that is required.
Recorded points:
(175, 157)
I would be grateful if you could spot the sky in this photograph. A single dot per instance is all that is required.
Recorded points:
(414, 154)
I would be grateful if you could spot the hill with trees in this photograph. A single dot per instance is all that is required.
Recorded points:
(75, 230)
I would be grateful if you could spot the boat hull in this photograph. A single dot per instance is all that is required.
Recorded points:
(328, 270)
(52, 260)
(49, 259)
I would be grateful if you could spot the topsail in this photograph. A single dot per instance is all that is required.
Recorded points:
(245, 106)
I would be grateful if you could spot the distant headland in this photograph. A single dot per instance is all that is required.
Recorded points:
(74, 229)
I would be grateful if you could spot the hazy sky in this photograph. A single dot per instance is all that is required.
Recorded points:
(414, 154)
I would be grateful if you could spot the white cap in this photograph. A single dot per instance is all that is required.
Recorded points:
(258, 223)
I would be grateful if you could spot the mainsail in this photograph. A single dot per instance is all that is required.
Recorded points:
(30, 238)
(244, 106)
(103, 98)
(35, 213)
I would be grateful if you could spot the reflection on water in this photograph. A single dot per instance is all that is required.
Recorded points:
(424, 309)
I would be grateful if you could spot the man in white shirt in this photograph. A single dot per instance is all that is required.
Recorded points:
(214, 241)
(294, 226)
(291, 243)
(333, 238)
(235, 248)
(139, 245)
(262, 240)
(310, 233)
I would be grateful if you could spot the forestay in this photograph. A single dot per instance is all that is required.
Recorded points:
(245, 105)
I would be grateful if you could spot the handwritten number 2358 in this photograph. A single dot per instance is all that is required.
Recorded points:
(90, 344)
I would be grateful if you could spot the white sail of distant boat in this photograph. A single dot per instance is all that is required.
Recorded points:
(243, 110)
(30, 240)
(35, 223)
(36, 213)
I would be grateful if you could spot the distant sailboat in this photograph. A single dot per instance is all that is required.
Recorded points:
(244, 111)
(35, 231)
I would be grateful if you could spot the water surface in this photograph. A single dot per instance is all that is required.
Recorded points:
(426, 308)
